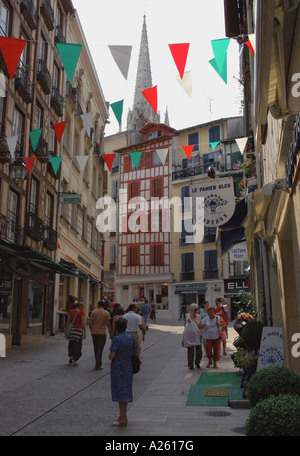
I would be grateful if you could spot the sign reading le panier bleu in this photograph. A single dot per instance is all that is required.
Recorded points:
(213, 201)
(271, 348)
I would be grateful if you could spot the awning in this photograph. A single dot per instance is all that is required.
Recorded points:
(232, 232)
(230, 238)
(104, 285)
(194, 288)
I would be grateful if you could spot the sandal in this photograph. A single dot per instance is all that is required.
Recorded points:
(119, 423)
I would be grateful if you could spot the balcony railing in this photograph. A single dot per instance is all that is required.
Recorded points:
(187, 276)
(59, 36)
(44, 77)
(42, 148)
(50, 238)
(211, 274)
(99, 155)
(209, 238)
(29, 12)
(50, 169)
(57, 101)
(23, 85)
(48, 14)
(71, 93)
(11, 231)
(34, 227)
(188, 240)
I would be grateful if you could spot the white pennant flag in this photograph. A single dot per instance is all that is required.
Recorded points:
(186, 82)
(241, 142)
(162, 153)
(252, 40)
(87, 120)
(82, 161)
(12, 144)
(121, 55)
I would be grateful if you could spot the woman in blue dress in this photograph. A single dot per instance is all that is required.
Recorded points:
(123, 347)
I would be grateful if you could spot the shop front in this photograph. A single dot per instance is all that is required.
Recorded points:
(233, 289)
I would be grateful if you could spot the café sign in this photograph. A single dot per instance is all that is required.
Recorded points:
(213, 201)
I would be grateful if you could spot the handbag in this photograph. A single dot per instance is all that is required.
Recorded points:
(135, 364)
(222, 333)
(70, 326)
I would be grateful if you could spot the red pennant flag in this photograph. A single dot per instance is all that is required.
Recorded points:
(180, 53)
(29, 162)
(11, 49)
(250, 47)
(59, 129)
(188, 150)
(58, 245)
(151, 97)
(109, 159)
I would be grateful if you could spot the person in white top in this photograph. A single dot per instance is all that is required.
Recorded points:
(134, 323)
(212, 323)
(193, 336)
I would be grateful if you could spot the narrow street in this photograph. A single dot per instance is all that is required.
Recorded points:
(42, 395)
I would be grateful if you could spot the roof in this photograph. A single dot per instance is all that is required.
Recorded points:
(211, 122)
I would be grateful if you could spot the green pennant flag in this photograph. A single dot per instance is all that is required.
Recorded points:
(117, 108)
(69, 54)
(136, 158)
(35, 137)
(55, 162)
(213, 145)
(219, 63)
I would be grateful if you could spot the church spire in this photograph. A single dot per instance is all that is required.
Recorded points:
(142, 112)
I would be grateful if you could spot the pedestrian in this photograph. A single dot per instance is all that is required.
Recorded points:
(77, 333)
(134, 324)
(222, 311)
(183, 309)
(120, 312)
(204, 314)
(123, 347)
(192, 337)
(145, 313)
(99, 322)
(212, 323)
(153, 310)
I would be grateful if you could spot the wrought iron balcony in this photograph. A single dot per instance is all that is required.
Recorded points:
(34, 227)
(23, 85)
(184, 276)
(11, 231)
(44, 77)
(48, 14)
(50, 169)
(59, 36)
(71, 93)
(29, 12)
(57, 102)
(187, 172)
(50, 238)
(42, 148)
(211, 274)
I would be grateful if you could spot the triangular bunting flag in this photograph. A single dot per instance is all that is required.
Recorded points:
(241, 142)
(151, 96)
(35, 137)
(121, 55)
(109, 159)
(59, 129)
(117, 108)
(11, 49)
(162, 153)
(213, 145)
(87, 120)
(69, 54)
(188, 150)
(219, 63)
(55, 162)
(82, 161)
(180, 53)
(186, 82)
(12, 144)
(29, 162)
(136, 157)
(250, 45)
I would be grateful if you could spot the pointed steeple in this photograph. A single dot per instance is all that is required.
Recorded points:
(167, 121)
(142, 112)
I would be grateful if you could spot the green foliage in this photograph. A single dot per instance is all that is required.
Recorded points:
(243, 359)
(251, 334)
(272, 381)
(246, 303)
(275, 416)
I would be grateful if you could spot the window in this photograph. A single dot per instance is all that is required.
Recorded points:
(212, 159)
(210, 260)
(154, 134)
(38, 117)
(33, 204)
(133, 189)
(187, 262)
(133, 255)
(157, 189)
(155, 158)
(64, 207)
(186, 203)
(114, 189)
(55, 78)
(49, 210)
(12, 215)
(52, 142)
(187, 229)
(43, 49)
(17, 128)
(214, 134)
(5, 21)
(209, 235)
(193, 138)
(157, 255)
(112, 256)
(25, 54)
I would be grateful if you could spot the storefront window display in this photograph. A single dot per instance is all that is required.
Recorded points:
(5, 304)
(162, 297)
(35, 308)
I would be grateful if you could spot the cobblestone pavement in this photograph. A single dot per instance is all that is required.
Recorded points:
(42, 395)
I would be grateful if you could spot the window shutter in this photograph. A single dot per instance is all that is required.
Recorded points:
(126, 163)
(128, 256)
(148, 156)
(152, 254)
(159, 255)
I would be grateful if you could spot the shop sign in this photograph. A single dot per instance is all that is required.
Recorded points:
(217, 199)
(191, 289)
(239, 252)
(271, 348)
(69, 198)
(235, 286)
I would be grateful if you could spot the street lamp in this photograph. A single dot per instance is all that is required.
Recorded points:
(19, 171)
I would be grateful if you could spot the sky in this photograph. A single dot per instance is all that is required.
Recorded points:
(119, 22)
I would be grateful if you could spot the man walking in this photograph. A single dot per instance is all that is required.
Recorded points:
(99, 321)
(145, 312)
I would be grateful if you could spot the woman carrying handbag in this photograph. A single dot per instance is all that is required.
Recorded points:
(192, 337)
(212, 324)
(76, 334)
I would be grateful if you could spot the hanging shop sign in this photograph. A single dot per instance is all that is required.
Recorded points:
(213, 201)
(239, 252)
(271, 351)
(69, 198)
(236, 286)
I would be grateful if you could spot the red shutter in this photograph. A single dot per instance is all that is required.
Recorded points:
(135, 255)
(152, 255)
(148, 161)
(128, 256)
(126, 163)
(159, 254)
(142, 161)
(159, 187)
